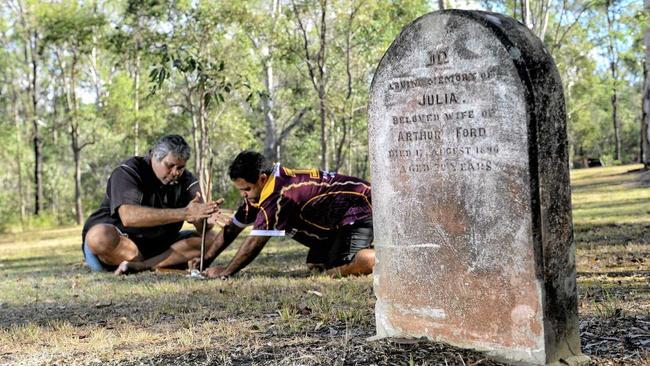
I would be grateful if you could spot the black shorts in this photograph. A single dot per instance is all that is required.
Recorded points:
(348, 242)
(147, 250)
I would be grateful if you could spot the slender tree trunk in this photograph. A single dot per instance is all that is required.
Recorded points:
(74, 137)
(322, 96)
(195, 125)
(617, 129)
(30, 51)
(526, 17)
(204, 144)
(77, 180)
(613, 67)
(316, 68)
(441, 4)
(19, 159)
(136, 100)
(645, 121)
(38, 156)
(270, 139)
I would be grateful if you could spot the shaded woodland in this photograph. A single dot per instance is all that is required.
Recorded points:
(87, 83)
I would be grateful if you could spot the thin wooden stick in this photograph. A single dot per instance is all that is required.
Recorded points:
(205, 225)
(206, 190)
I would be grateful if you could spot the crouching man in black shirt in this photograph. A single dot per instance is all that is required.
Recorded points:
(137, 225)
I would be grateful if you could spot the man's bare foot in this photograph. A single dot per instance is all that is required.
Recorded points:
(127, 267)
(316, 267)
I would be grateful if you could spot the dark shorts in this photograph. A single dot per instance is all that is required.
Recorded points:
(348, 242)
(147, 250)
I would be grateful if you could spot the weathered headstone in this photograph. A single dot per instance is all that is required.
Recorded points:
(471, 195)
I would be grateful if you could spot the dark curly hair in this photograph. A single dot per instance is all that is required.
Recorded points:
(248, 165)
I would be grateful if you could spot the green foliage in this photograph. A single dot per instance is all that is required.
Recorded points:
(69, 22)
(241, 67)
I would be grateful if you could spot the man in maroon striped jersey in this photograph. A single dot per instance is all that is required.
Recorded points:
(327, 212)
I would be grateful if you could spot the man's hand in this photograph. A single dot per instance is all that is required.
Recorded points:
(197, 210)
(193, 263)
(215, 272)
(221, 218)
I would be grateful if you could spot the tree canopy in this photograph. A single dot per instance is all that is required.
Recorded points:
(87, 83)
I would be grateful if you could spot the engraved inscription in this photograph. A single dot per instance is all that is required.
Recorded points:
(437, 58)
(415, 118)
(457, 135)
(425, 82)
(459, 115)
(421, 135)
(437, 99)
(462, 132)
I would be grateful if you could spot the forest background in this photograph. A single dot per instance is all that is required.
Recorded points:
(87, 83)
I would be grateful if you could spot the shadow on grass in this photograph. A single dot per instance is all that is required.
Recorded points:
(314, 349)
(41, 234)
(610, 234)
(598, 180)
(617, 274)
(82, 298)
(611, 204)
(38, 269)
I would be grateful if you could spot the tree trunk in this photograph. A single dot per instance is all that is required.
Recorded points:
(136, 100)
(613, 67)
(74, 137)
(526, 17)
(77, 180)
(203, 153)
(316, 68)
(195, 128)
(19, 159)
(441, 4)
(323, 129)
(38, 155)
(645, 121)
(321, 89)
(270, 139)
(30, 47)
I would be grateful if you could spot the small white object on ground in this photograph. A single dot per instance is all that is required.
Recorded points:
(195, 273)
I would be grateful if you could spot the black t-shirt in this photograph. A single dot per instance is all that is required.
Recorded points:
(133, 182)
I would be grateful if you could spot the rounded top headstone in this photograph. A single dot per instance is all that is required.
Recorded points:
(471, 201)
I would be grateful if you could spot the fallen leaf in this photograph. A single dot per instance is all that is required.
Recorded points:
(103, 304)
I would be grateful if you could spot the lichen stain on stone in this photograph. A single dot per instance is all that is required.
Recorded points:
(475, 307)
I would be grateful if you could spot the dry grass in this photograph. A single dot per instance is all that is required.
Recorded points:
(54, 311)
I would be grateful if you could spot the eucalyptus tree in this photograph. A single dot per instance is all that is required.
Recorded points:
(11, 113)
(272, 91)
(28, 36)
(68, 30)
(191, 64)
(645, 120)
(339, 43)
(613, 58)
(134, 37)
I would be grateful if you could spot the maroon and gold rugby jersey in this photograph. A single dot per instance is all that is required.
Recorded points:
(306, 204)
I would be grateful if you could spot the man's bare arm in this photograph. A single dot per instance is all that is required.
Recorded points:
(225, 237)
(251, 247)
(142, 216)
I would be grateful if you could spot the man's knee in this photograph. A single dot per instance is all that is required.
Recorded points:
(362, 264)
(102, 238)
(365, 260)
